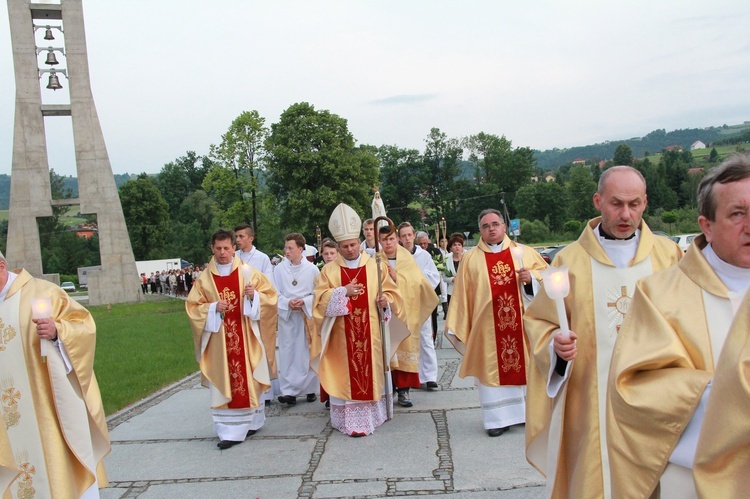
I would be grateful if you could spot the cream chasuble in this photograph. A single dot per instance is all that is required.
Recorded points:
(564, 434)
(663, 361)
(419, 302)
(54, 421)
(722, 461)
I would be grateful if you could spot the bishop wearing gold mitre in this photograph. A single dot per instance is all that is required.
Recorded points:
(229, 306)
(348, 354)
(51, 408)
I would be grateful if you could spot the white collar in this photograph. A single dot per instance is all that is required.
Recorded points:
(8, 284)
(736, 279)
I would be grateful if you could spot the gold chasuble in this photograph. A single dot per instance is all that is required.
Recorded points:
(661, 365)
(419, 302)
(53, 421)
(485, 317)
(347, 350)
(722, 461)
(566, 435)
(234, 359)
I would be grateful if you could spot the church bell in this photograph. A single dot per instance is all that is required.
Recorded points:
(48, 34)
(54, 81)
(51, 59)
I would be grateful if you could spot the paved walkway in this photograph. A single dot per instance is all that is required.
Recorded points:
(165, 447)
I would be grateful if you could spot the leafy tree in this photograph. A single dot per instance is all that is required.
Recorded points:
(572, 226)
(623, 155)
(147, 217)
(400, 183)
(500, 168)
(313, 165)
(198, 207)
(441, 157)
(179, 178)
(669, 217)
(580, 188)
(534, 231)
(543, 201)
(240, 154)
(714, 156)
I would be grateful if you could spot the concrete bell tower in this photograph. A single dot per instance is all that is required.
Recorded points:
(30, 194)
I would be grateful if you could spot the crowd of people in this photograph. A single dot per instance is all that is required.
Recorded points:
(174, 282)
(631, 383)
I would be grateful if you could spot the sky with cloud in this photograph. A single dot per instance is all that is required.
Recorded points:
(169, 76)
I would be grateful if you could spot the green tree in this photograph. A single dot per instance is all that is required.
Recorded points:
(669, 217)
(623, 155)
(313, 165)
(240, 153)
(580, 188)
(441, 157)
(498, 167)
(400, 183)
(147, 217)
(714, 156)
(179, 178)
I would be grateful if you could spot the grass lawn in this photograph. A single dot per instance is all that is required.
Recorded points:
(140, 348)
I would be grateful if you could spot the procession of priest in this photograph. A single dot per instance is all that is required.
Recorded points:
(625, 359)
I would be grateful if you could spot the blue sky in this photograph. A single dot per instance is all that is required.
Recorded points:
(169, 76)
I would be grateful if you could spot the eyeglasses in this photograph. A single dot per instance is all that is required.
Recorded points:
(493, 225)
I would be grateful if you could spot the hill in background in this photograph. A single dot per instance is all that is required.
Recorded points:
(650, 144)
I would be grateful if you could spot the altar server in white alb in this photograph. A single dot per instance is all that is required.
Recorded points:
(295, 280)
(250, 254)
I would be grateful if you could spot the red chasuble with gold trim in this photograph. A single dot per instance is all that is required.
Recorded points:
(358, 339)
(228, 288)
(506, 309)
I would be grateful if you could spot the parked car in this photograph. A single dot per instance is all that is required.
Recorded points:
(545, 252)
(685, 240)
(664, 234)
(554, 251)
(68, 286)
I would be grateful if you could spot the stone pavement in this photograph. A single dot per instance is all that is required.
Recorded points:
(165, 447)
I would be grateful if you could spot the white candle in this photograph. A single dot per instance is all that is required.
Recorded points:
(557, 287)
(517, 252)
(246, 273)
(41, 308)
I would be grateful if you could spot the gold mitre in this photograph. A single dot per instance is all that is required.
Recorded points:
(344, 223)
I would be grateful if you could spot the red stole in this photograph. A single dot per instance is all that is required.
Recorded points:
(507, 317)
(228, 288)
(358, 337)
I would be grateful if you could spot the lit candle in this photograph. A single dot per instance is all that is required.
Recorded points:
(557, 287)
(246, 273)
(41, 308)
(517, 252)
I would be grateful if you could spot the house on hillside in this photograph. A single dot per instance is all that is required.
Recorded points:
(695, 171)
(697, 145)
(673, 148)
(579, 161)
